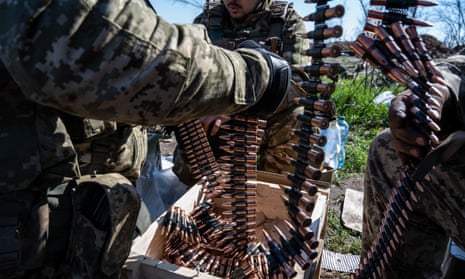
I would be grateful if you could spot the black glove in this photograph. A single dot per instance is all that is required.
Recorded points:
(280, 78)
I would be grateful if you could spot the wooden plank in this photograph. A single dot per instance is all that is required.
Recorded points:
(276, 178)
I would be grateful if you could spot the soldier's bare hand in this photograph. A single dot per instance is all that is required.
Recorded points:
(414, 124)
(212, 124)
(406, 139)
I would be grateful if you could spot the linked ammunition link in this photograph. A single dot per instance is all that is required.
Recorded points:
(193, 140)
(220, 236)
(221, 239)
(319, 110)
(400, 53)
(241, 179)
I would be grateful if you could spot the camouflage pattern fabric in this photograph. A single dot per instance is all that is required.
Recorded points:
(35, 147)
(85, 129)
(104, 221)
(119, 61)
(106, 146)
(123, 151)
(109, 60)
(272, 19)
(439, 214)
(99, 212)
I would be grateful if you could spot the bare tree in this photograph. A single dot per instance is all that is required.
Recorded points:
(448, 18)
(450, 15)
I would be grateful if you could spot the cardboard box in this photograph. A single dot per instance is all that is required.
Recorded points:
(145, 260)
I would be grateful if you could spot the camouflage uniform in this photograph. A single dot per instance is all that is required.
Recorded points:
(114, 61)
(439, 213)
(107, 146)
(274, 25)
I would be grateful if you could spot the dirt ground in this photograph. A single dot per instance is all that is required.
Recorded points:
(336, 199)
(337, 191)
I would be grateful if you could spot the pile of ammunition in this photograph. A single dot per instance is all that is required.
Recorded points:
(221, 235)
(399, 52)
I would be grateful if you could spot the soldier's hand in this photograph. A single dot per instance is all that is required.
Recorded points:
(212, 124)
(280, 78)
(409, 122)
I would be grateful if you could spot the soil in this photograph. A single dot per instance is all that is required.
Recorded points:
(336, 199)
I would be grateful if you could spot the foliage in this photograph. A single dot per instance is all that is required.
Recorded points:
(340, 239)
(354, 99)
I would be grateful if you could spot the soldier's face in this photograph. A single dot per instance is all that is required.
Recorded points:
(238, 9)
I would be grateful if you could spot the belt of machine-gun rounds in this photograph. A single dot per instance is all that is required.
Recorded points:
(223, 241)
(319, 110)
(390, 43)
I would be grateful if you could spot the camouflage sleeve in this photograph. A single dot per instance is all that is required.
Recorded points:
(118, 60)
(453, 70)
(293, 44)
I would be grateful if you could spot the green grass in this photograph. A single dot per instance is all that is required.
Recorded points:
(340, 239)
(354, 100)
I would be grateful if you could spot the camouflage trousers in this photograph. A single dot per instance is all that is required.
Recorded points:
(438, 215)
(92, 224)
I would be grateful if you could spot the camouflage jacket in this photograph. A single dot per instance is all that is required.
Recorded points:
(453, 70)
(109, 60)
(279, 21)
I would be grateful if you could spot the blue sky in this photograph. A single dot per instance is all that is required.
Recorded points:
(176, 12)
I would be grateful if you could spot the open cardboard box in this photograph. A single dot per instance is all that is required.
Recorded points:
(145, 260)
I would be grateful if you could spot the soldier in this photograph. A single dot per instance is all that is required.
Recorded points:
(109, 147)
(112, 61)
(273, 24)
(439, 212)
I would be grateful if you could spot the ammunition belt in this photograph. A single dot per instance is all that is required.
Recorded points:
(400, 53)
(221, 239)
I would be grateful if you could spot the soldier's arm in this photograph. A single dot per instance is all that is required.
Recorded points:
(453, 71)
(120, 61)
(293, 44)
